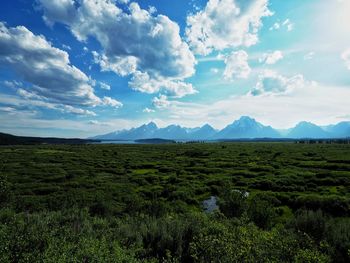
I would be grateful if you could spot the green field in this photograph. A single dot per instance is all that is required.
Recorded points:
(143, 203)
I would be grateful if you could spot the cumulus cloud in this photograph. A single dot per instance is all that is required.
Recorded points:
(271, 58)
(161, 102)
(226, 24)
(270, 82)
(123, 1)
(237, 65)
(143, 82)
(121, 65)
(59, 10)
(134, 41)
(47, 68)
(346, 57)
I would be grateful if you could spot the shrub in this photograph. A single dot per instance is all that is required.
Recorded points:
(261, 211)
(5, 191)
(233, 203)
(310, 222)
(337, 233)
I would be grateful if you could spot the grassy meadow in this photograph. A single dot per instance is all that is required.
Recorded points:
(277, 202)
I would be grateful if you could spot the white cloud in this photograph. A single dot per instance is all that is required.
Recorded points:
(47, 68)
(316, 103)
(12, 84)
(105, 86)
(275, 26)
(152, 10)
(270, 82)
(144, 83)
(28, 101)
(148, 110)
(121, 65)
(67, 47)
(146, 44)
(111, 102)
(99, 123)
(7, 109)
(70, 109)
(28, 95)
(237, 65)
(287, 24)
(58, 10)
(271, 58)
(346, 57)
(226, 24)
(161, 102)
(25, 123)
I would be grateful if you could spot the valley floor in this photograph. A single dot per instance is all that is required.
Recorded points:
(144, 203)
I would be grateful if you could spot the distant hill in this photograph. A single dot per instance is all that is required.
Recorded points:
(243, 128)
(8, 139)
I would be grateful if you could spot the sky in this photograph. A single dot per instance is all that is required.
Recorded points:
(78, 68)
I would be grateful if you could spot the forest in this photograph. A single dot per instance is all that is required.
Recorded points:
(273, 202)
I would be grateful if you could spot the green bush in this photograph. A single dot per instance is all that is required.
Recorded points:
(233, 203)
(310, 222)
(337, 234)
(142, 203)
(220, 242)
(5, 191)
(261, 210)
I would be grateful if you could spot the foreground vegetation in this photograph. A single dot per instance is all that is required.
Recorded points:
(278, 202)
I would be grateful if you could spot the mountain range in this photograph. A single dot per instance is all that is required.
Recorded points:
(243, 128)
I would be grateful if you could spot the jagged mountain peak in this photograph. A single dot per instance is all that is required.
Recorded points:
(306, 129)
(207, 126)
(247, 127)
(306, 124)
(244, 127)
(246, 121)
(149, 125)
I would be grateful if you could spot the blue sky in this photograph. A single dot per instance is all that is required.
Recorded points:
(76, 68)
